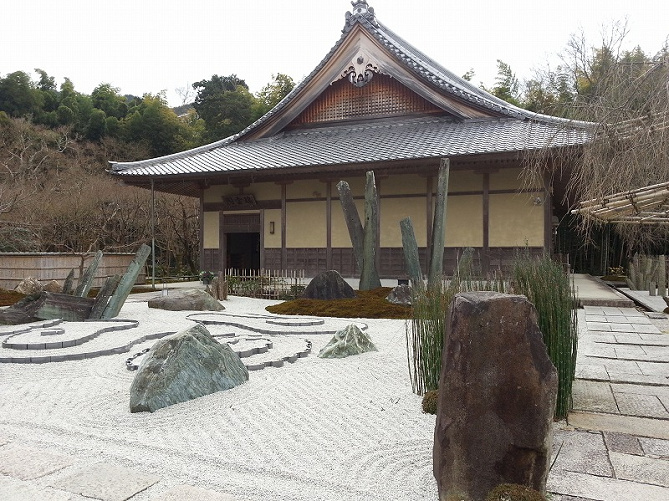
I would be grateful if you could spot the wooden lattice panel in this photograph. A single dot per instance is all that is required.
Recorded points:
(383, 96)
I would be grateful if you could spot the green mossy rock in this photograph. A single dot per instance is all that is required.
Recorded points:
(184, 366)
(348, 341)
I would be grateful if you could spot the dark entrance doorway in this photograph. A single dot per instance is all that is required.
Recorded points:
(243, 251)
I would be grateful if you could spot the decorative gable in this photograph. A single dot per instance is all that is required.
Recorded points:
(382, 96)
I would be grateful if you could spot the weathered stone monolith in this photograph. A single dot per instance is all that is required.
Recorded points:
(496, 398)
(352, 219)
(436, 265)
(411, 257)
(184, 366)
(369, 276)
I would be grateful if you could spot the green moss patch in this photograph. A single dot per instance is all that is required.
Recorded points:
(366, 304)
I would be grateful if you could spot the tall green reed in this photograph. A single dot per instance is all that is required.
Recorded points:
(544, 283)
(547, 286)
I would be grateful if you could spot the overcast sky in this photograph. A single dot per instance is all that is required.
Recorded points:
(147, 46)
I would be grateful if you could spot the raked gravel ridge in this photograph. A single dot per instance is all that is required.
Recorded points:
(316, 429)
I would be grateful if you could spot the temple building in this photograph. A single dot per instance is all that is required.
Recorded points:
(375, 103)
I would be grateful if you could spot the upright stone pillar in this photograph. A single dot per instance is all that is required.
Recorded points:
(436, 265)
(369, 276)
(497, 396)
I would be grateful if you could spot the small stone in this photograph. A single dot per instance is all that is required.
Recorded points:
(400, 295)
(328, 285)
(188, 299)
(28, 286)
(348, 341)
(184, 366)
(52, 286)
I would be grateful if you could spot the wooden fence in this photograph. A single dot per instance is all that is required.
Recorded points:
(266, 284)
(44, 267)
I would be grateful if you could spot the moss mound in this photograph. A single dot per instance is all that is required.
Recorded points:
(8, 298)
(366, 304)
(514, 492)
(430, 402)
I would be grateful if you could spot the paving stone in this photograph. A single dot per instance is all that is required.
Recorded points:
(12, 489)
(646, 329)
(595, 318)
(26, 463)
(598, 326)
(604, 488)
(580, 451)
(183, 492)
(638, 320)
(593, 396)
(595, 372)
(619, 327)
(632, 425)
(630, 352)
(655, 447)
(623, 443)
(641, 405)
(107, 482)
(640, 469)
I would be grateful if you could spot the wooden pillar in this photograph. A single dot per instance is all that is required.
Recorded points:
(548, 215)
(328, 224)
(222, 243)
(428, 217)
(485, 261)
(284, 251)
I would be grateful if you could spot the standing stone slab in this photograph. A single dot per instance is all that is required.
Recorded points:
(184, 366)
(352, 219)
(496, 398)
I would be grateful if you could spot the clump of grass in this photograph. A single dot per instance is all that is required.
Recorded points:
(425, 331)
(547, 286)
(366, 304)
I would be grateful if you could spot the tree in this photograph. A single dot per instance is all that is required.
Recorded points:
(506, 84)
(623, 94)
(225, 104)
(18, 96)
(272, 93)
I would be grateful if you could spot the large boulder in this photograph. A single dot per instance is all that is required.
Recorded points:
(496, 398)
(184, 366)
(28, 286)
(186, 299)
(328, 285)
(348, 341)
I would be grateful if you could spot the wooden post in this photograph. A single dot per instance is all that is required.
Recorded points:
(662, 276)
(86, 280)
(369, 276)
(411, 257)
(127, 282)
(352, 219)
(438, 224)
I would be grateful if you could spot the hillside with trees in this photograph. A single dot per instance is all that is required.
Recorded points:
(55, 144)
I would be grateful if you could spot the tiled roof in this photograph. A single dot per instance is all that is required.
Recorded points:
(363, 143)
(374, 141)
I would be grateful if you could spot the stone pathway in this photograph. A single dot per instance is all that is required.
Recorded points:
(615, 446)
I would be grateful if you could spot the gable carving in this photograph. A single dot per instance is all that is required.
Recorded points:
(382, 96)
(360, 71)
